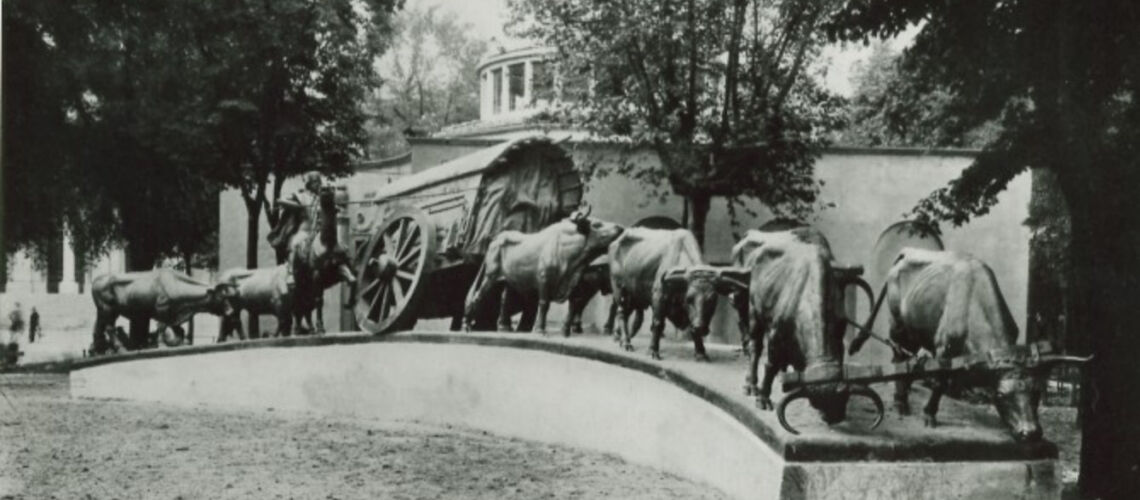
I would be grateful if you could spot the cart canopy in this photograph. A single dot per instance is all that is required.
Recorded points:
(524, 184)
(526, 188)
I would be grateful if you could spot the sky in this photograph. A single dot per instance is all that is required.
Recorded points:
(487, 18)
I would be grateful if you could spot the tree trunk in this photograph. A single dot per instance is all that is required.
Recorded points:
(187, 259)
(140, 257)
(1105, 309)
(251, 244)
(700, 204)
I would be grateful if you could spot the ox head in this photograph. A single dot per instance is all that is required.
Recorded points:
(697, 288)
(598, 233)
(1018, 394)
(221, 296)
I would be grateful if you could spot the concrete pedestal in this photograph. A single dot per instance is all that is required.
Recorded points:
(679, 416)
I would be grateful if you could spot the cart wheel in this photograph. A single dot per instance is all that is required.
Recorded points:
(393, 271)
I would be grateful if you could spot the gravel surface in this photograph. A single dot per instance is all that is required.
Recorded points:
(54, 447)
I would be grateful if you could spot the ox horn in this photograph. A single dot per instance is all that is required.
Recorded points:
(1059, 358)
(867, 392)
(735, 278)
(783, 406)
(677, 274)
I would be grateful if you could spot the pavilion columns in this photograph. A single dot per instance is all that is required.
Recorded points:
(67, 283)
(505, 89)
(528, 85)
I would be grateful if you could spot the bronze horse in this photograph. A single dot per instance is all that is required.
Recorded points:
(318, 261)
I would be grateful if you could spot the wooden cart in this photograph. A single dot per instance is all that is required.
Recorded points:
(421, 238)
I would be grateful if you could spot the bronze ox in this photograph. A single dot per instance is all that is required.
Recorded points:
(795, 302)
(267, 290)
(317, 262)
(546, 264)
(662, 269)
(166, 296)
(949, 304)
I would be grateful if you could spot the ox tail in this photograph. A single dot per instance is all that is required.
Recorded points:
(865, 330)
(866, 327)
(688, 251)
(484, 282)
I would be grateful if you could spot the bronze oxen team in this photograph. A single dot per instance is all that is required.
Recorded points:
(790, 294)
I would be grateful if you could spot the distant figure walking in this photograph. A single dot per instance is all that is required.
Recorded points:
(34, 326)
(15, 324)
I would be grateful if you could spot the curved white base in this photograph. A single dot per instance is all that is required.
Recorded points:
(542, 396)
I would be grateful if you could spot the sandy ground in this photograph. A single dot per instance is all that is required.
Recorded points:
(54, 447)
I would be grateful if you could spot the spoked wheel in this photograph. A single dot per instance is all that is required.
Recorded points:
(393, 271)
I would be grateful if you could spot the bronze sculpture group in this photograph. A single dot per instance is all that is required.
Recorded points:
(784, 283)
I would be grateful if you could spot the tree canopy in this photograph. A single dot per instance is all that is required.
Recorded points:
(429, 78)
(123, 119)
(1062, 81)
(889, 108)
(88, 145)
(718, 88)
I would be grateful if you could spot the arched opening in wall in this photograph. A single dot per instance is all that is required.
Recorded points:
(893, 239)
(782, 224)
(658, 222)
(897, 236)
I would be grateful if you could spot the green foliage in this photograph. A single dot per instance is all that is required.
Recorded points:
(716, 87)
(430, 78)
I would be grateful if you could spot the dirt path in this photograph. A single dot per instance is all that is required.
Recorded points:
(55, 447)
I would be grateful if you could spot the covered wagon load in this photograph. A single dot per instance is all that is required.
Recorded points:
(430, 230)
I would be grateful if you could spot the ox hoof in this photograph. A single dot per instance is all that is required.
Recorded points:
(655, 355)
(764, 403)
(700, 356)
(627, 346)
(751, 390)
(929, 421)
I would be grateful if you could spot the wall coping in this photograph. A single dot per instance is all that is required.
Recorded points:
(835, 150)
